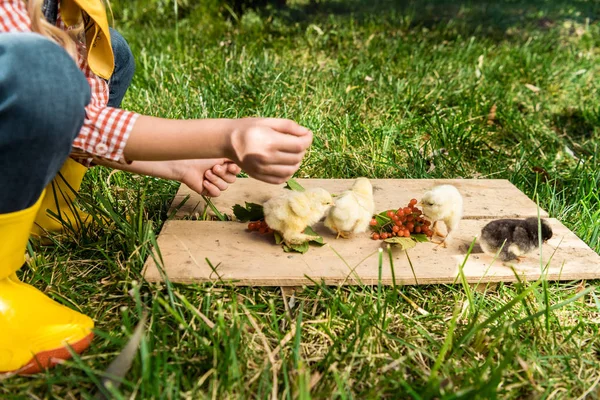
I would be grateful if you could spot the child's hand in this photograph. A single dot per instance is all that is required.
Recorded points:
(207, 177)
(269, 149)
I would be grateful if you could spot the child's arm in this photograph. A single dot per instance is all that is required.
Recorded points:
(268, 149)
(208, 177)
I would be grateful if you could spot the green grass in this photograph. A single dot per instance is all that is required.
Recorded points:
(383, 87)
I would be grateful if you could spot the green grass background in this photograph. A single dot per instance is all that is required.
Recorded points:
(384, 85)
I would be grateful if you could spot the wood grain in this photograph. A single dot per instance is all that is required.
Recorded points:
(244, 258)
(483, 198)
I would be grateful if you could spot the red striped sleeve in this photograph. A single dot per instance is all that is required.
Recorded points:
(105, 132)
(105, 129)
(14, 16)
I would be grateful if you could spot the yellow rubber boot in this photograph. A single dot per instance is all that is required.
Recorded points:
(60, 194)
(34, 329)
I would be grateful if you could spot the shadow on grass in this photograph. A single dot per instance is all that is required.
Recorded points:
(483, 18)
(489, 18)
(574, 124)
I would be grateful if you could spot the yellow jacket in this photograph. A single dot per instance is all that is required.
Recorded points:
(97, 36)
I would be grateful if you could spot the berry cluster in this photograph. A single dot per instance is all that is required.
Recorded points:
(401, 223)
(260, 227)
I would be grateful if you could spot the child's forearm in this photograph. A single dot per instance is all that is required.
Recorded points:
(268, 149)
(157, 169)
(207, 177)
(158, 139)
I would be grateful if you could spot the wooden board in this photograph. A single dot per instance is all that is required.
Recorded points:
(244, 258)
(483, 198)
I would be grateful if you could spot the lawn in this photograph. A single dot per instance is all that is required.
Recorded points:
(391, 89)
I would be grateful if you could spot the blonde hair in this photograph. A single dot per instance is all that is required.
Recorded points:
(66, 39)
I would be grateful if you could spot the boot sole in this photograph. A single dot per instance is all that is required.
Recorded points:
(47, 359)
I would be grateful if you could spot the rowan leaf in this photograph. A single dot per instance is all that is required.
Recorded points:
(419, 237)
(278, 237)
(403, 242)
(251, 212)
(298, 248)
(292, 184)
(302, 247)
(318, 238)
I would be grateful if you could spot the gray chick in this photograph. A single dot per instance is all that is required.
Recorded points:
(516, 237)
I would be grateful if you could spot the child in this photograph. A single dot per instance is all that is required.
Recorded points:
(63, 74)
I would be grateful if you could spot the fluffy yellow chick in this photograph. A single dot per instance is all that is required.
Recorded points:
(290, 213)
(353, 210)
(443, 203)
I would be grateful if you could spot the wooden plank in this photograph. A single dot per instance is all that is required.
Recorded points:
(483, 198)
(244, 258)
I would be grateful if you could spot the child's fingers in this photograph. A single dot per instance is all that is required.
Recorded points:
(287, 126)
(210, 189)
(218, 169)
(276, 174)
(284, 158)
(233, 168)
(196, 186)
(222, 172)
(293, 144)
(216, 180)
(274, 180)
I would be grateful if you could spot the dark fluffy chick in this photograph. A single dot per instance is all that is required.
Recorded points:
(521, 237)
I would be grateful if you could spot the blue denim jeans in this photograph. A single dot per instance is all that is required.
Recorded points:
(124, 69)
(43, 96)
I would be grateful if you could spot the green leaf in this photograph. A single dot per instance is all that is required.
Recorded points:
(293, 185)
(278, 237)
(318, 240)
(419, 237)
(252, 212)
(299, 248)
(383, 214)
(303, 247)
(382, 220)
(403, 242)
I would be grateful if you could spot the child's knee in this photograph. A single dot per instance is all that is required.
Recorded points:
(44, 94)
(124, 60)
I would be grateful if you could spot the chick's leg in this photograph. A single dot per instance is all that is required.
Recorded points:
(339, 232)
(436, 231)
(513, 252)
(451, 227)
(514, 257)
(442, 243)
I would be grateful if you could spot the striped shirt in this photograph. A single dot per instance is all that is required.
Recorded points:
(105, 129)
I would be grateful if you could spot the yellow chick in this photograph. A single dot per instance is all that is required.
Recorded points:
(290, 213)
(353, 210)
(443, 203)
